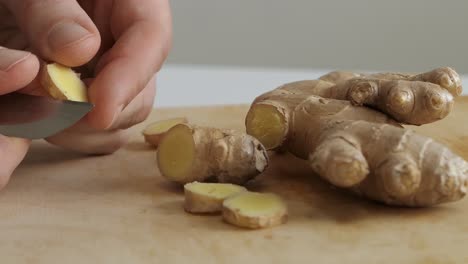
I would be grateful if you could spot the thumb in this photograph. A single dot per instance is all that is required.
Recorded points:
(58, 30)
(12, 152)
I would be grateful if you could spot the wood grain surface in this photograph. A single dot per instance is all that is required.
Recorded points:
(61, 207)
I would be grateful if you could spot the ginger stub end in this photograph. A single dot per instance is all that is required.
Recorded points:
(154, 132)
(208, 197)
(267, 124)
(63, 83)
(176, 154)
(255, 210)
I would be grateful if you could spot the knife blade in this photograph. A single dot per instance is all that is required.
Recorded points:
(37, 117)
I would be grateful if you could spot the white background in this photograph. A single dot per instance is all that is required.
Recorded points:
(190, 85)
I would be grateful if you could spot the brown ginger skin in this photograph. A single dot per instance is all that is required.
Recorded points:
(362, 149)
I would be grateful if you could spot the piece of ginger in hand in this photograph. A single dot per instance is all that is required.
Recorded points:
(62, 83)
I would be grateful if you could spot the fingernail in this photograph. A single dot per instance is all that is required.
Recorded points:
(9, 58)
(66, 33)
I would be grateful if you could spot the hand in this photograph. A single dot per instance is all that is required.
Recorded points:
(118, 45)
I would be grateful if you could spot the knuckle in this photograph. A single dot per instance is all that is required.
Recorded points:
(94, 143)
(134, 119)
(138, 110)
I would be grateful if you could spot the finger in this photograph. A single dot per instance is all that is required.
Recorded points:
(58, 30)
(100, 12)
(12, 152)
(139, 109)
(17, 69)
(142, 30)
(81, 138)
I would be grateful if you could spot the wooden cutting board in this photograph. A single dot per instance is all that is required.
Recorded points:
(65, 208)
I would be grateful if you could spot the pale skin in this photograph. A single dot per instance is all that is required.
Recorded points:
(104, 40)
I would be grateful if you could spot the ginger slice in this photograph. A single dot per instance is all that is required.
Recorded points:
(154, 132)
(208, 197)
(63, 83)
(255, 210)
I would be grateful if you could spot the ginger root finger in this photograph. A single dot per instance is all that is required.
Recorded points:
(339, 162)
(208, 197)
(63, 83)
(154, 132)
(270, 120)
(422, 179)
(400, 175)
(410, 102)
(404, 168)
(190, 153)
(255, 210)
(445, 77)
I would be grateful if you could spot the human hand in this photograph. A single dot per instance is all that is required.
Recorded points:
(118, 45)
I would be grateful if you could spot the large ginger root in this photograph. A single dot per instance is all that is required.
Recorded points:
(154, 132)
(63, 83)
(190, 153)
(202, 197)
(255, 210)
(362, 149)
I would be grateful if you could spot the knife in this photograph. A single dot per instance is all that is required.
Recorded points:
(37, 117)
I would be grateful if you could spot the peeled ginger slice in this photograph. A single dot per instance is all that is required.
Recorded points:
(155, 131)
(208, 197)
(255, 210)
(63, 83)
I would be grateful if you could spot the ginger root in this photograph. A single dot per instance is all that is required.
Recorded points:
(255, 210)
(154, 132)
(365, 149)
(190, 153)
(208, 197)
(62, 83)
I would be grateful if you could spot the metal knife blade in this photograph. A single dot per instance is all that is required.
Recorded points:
(37, 117)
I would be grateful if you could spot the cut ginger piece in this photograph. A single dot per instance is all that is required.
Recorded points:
(255, 210)
(63, 83)
(155, 131)
(268, 125)
(189, 153)
(208, 197)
